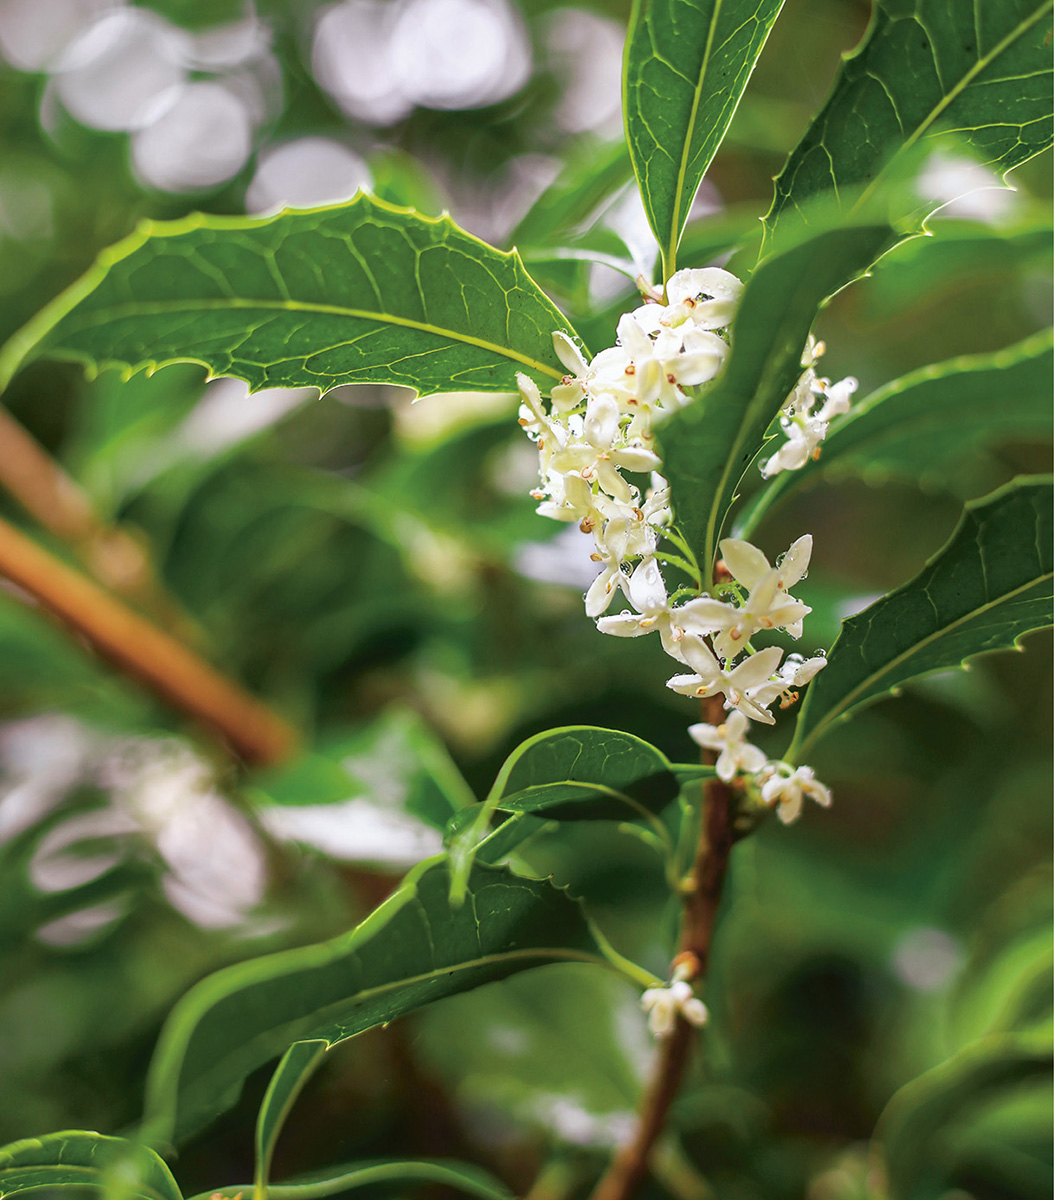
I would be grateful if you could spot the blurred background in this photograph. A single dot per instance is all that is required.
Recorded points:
(375, 570)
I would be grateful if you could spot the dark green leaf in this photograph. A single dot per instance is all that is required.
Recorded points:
(79, 1158)
(916, 427)
(580, 773)
(710, 443)
(989, 585)
(463, 1177)
(980, 71)
(414, 949)
(295, 1069)
(686, 66)
(914, 1128)
(362, 292)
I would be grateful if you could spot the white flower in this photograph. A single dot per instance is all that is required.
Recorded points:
(647, 594)
(663, 366)
(785, 788)
(710, 679)
(686, 291)
(602, 590)
(737, 755)
(794, 673)
(662, 1004)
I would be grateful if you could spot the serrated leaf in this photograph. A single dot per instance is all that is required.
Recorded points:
(914, 1127)
(360, 292)
(686, 65)
(582, 773)
(989, 585)
(926, 68)
(414, 949)
(710, 443)
(293, 1071)
(917, 426)
(82, 1159)
(463, 1177)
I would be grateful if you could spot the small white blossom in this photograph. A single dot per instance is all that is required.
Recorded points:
(784, 788)
(737, 755)
(710, 678)
(794, 673)
(662, 1004)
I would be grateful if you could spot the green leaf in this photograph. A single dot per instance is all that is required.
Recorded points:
(685, 68)
(295, 1069)
(361, 292)
(989, 585)
(79, 1158)
(710, 443)
(914, 1129)
(581, 773)
(917, 426)
(415, 948)
(926, 68)
(463, 1177)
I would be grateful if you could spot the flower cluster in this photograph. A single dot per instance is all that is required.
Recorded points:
(776, 785)
(664, 1004)
(599, 468)
(803, 424)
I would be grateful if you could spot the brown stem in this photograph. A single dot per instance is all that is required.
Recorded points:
(702, 898)
(142, 650)
(49, 495)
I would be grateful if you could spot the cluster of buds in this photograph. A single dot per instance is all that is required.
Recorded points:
(803, 424)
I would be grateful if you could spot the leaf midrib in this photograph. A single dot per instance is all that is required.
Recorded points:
(670, 257)
(173, 307)
(959, 87)
(850, 697)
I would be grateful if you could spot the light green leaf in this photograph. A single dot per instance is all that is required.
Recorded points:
(295, 1069)
(980, 71)
(415, 948)
(581, 773)
(989, 585)
(361, 292)
(917, 1126)
(916, 427)
(82, 1159)
(686, 65)
(710, 443)
(463, 1177)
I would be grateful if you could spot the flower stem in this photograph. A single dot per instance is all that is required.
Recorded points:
(701, 901)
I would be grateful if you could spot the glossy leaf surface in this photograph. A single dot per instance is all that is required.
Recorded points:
(361, 292)
(916, 427)
(81, 1159)
(989, 585)
(710, 443)
(415, 948)
(979, 71)
(686, 65)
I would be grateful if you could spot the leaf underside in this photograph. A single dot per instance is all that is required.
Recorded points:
(357, 293)
(414, 949)
(686, 66)
(979, 72)
(986, 588)
(710, 443)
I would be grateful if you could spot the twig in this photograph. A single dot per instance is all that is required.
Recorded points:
(702, 898)
(142, 650)
(49, 495)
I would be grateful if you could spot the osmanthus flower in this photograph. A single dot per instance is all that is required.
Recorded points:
(750, 568)
(735, 685)
(737, 755)
(663, 1004)
(707, 297)
(794, 673)
(647, 593)
(665, 365)
(784, 788)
